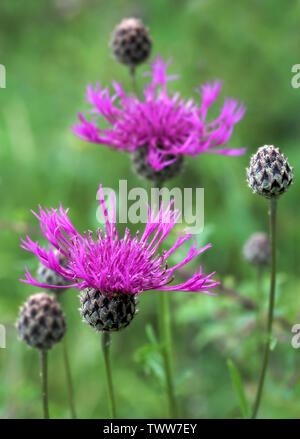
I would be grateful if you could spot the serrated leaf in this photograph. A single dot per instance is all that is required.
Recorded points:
(239, 388)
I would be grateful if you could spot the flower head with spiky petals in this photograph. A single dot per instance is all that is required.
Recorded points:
(169, 126)
(110, 264)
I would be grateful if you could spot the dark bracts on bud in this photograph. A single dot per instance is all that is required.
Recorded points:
(131, 44)
(41, 322)
(269, 173)
(47, 276)
(144, 170)
(111, 313)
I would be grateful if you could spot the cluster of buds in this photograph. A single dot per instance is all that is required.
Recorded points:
(41, 322)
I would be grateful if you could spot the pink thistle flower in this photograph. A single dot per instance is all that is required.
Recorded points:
(168, 126)
(113, 265)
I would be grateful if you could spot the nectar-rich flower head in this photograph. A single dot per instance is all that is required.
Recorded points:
(111, 265)
(269, 173)
(166, 127)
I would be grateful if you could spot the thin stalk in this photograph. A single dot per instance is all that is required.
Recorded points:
(273, 212)
(259, 282)
(44, 382)
(69, 378)
(132, 74)
(164, 317)
(67, 369)
(105, 343)
(259, 317)
(166, 341)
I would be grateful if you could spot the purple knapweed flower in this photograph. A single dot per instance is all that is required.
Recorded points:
(110, 264)
(166, 126)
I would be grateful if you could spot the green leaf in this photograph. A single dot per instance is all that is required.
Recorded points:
(273, 342)
(239, 388)
(151, 335)
(150, 358)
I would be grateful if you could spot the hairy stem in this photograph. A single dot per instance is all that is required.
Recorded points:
(273, 211)
(105, 343)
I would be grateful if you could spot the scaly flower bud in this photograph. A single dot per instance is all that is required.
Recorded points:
(104, 313)
(41, 322)
(269, 173)
(131, 44)
(47, 276)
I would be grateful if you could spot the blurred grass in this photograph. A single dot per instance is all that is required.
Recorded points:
(51, 50)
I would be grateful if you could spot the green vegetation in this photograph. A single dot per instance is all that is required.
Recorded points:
(51, 53)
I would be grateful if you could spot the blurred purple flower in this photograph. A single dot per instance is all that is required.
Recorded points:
(131, 264)
(167, 124)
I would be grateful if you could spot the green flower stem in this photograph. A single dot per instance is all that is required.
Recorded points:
(44, 382)
(166, 345)
(273, 212)
(67, 369)
(166, 341)
(259, 294)
(132, 72)
(105, 343)
(69, 378)
(259, 282)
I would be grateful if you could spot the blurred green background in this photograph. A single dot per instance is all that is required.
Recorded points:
(51, 50)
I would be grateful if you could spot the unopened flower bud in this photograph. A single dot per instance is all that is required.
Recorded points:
(269, 173)
(47, 276)
(131, 44)
(257, 249)
(41, 322)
